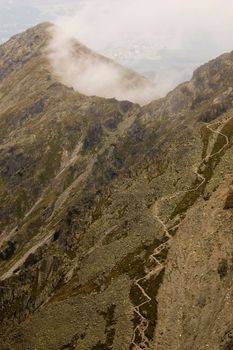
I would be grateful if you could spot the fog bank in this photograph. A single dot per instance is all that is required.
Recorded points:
(92, 74)
(165, 40)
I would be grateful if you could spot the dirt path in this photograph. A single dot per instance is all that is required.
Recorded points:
(141, 329)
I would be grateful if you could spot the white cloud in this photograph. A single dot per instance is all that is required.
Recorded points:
(171, 23)
(175, 35)
(93, 74)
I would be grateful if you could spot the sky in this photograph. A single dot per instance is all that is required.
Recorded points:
(18, 15)
(165, 40)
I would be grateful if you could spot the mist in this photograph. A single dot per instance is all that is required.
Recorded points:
(162, 40)
(92, 74)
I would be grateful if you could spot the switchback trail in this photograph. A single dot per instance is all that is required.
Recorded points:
(141, 329)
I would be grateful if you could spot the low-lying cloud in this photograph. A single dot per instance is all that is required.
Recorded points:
(92, 74)
(162, 39)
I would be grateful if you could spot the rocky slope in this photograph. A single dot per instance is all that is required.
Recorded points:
(116, 219)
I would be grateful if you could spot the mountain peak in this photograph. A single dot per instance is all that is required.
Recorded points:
(23, 47)
(74, 65)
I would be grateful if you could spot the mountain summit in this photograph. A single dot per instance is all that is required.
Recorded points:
(77, 66)
(116, 219)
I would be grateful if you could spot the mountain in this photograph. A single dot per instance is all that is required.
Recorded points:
(116, 219)
(97, 75)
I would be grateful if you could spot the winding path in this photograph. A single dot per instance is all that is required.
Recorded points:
(141, 329)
